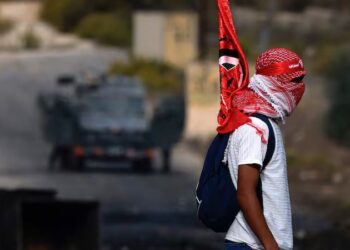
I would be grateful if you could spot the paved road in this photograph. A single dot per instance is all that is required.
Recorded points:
(138, 210)
(159, 206)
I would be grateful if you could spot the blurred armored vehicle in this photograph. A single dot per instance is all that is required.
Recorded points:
(109, 119)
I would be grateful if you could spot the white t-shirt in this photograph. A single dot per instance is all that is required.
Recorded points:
(246, 147)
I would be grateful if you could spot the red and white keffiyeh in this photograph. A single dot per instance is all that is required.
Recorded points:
(275, 89)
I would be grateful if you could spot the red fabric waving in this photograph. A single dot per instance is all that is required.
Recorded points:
(234, 71)
(275, 90)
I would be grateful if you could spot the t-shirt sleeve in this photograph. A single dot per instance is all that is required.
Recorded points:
(250, 148)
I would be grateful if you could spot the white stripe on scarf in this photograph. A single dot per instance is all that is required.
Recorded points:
(264, 87)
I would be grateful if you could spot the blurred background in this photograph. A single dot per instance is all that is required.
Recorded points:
(107, 108)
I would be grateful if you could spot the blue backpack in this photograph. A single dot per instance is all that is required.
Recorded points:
(217, 205)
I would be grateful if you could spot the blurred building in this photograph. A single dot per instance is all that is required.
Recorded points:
(171, 37)
(202, 79)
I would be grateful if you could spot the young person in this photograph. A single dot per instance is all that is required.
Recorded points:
(274, 91)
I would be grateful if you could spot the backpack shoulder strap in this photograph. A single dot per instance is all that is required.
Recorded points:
(271, 143)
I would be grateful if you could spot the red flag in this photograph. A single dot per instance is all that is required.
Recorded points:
(234, 71)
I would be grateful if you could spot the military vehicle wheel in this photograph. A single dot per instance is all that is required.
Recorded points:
(70, 162)
(77, 164)
(142, 166)
(59, 158)
(166, 153)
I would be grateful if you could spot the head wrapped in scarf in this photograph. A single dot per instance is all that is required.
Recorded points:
(275, 89)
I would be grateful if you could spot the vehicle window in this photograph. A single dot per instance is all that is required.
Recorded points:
(116, 106)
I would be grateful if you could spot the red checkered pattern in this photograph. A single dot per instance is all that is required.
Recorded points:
(278, 55)
(274, 95)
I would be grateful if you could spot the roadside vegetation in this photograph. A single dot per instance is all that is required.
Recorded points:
(30, 40)
(5, 25)
(113, 29)
(107, 22)
(156, 76)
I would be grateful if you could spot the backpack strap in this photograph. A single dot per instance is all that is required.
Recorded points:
(271, 143)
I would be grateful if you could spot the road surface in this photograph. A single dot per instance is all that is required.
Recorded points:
(138, 210)
(152, 211)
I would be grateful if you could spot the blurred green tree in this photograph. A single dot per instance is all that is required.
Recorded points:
(65, 14)
(338, 119)
(30, 40)
(5, 25)
(164, 4)
(113, 29)
(157, 76)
